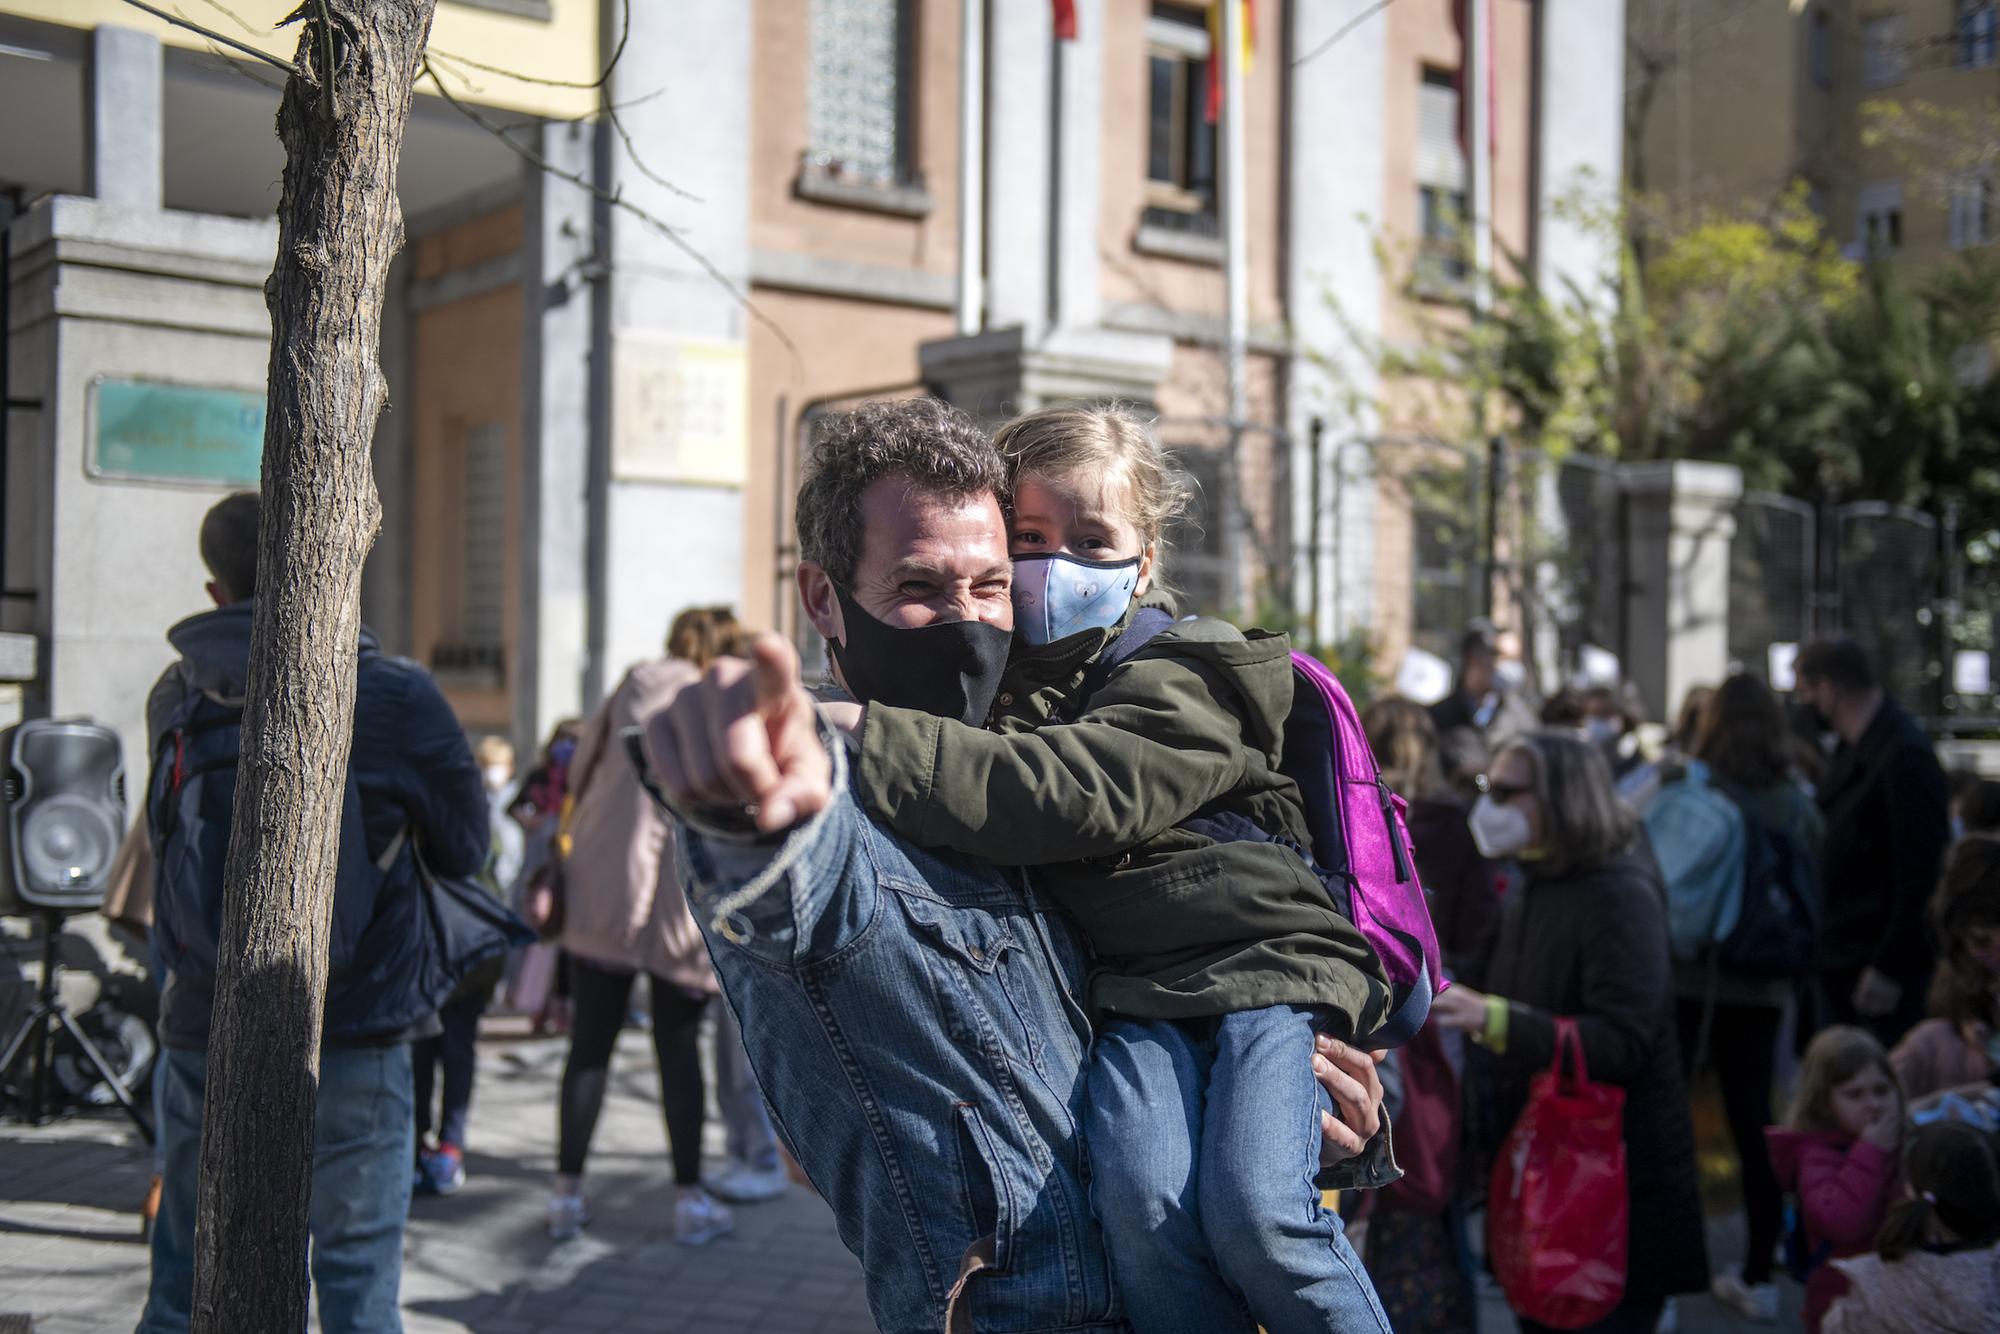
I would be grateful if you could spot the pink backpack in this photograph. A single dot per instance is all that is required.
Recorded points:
(1360, 842)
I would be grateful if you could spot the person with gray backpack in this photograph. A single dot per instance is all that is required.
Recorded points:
(1737, 836)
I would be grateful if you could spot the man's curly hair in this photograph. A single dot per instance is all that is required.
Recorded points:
(937, 447)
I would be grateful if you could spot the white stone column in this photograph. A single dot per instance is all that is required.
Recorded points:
(1020, 67)
(123, 109)
(672, 529)
(552, 646)
(1579, 141)
(1680, 519)
(1336, 105)
(1079, 164)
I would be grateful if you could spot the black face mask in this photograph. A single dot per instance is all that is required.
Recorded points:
(950, 670)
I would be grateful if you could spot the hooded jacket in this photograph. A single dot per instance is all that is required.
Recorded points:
(1844, 1186)
(623, 903)
(1925, 1292)
(409, 768)
(1192, 725)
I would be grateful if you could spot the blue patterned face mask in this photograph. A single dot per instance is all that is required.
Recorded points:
(1057, 596)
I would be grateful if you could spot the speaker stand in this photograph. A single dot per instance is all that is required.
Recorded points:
(34, 1039)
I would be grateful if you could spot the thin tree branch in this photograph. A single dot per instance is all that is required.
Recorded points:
(624, 35)
(1342, 31)
(617, 200)
(609, 112)
(230, 42)
(241, 22)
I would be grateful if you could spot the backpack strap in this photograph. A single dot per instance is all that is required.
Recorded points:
(1145, 626)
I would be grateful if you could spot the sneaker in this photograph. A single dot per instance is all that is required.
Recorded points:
(442, 1170)
(1752, 1301)
(740, 1183)
(699, 1217)
(568, 1216)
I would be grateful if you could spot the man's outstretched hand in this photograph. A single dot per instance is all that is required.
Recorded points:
(745, 736)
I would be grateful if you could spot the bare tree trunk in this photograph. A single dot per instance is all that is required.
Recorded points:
(339, 224)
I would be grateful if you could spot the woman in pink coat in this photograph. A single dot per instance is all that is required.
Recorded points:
(624, 914)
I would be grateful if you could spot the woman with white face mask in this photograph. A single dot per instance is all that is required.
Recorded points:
(1585, 937)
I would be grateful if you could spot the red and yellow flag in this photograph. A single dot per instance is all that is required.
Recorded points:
(1214, 109)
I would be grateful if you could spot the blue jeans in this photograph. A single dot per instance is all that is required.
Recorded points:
(1204, 1140)
(363, 1146)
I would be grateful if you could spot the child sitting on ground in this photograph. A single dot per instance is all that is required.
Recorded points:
(1837, 1154)
(1936, 1267)
(1162, 823)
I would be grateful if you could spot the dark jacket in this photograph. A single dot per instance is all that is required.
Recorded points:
(1593, 945)
(1193, 724)
(1887, 826)
(1464, 886)
(409, 767)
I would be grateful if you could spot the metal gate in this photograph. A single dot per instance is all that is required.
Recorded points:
(1884, 565)
(1772, 590)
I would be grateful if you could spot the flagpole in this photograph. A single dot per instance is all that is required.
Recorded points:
(971, 300)
(1479, 152)
(1236, 284)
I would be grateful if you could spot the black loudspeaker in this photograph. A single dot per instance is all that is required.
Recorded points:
(64, 790)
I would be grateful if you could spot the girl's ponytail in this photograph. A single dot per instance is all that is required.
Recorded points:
(1954, 1184)
(1906, 1228)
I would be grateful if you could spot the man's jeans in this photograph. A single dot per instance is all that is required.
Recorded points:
(363, 1147)
(1204, 1138)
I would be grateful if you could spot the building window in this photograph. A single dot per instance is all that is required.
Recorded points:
(477, 655)
(1882, 51)
(1819, 49)
(1971, 220)
(1180, 143)
(1441, 181)
(1879, 219)
(859, 119)
(1978, 27)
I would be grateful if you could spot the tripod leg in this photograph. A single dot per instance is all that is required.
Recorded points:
(36, 1019)
(96, 1057)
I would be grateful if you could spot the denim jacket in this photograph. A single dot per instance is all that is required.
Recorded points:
(912, 1018)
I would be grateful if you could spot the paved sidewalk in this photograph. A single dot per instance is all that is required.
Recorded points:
(70, 1253)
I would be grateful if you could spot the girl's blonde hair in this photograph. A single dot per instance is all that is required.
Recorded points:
(1832, 1058)
(1106, 441)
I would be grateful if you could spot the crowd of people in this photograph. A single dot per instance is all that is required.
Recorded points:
(1003, 891)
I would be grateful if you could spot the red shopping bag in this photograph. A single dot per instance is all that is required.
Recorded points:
(1556, 1212)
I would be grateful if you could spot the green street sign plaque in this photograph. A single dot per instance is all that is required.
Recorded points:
(146, 431)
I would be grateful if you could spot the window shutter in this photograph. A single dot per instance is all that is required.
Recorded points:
(1440, 157)
(483, 614)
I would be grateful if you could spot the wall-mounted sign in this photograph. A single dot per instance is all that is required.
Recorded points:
(680, 410)
(141, 430)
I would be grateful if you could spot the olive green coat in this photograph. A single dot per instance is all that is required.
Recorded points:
(1183, 927)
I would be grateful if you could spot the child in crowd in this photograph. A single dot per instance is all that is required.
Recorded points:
(1955, 1046)
(1936, 1269)
(1163, 825)
(1837, 1154)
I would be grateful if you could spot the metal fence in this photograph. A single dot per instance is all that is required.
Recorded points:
(1772, 563)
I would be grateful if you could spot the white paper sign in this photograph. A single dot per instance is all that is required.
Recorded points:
(1971, 672)
(1423, 678)
(1781, 662)
(681, 410)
